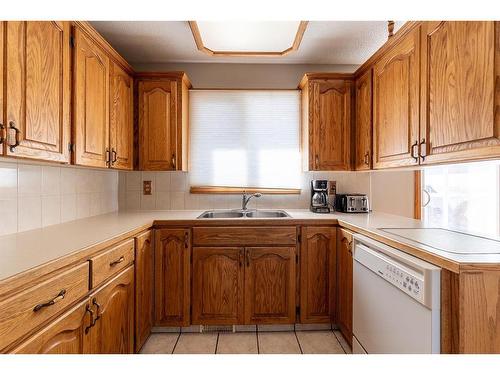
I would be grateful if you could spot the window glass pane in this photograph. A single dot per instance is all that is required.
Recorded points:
(243, 138)
(463, 197)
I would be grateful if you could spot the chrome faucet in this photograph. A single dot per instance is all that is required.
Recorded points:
(246, 199)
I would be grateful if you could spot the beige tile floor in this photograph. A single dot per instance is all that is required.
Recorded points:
(299, 342)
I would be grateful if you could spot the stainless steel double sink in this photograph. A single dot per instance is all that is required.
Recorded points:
(239, 214)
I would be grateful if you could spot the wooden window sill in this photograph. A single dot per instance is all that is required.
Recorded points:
(239, 190)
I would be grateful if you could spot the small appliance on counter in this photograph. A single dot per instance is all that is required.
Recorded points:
(319, 196)
(352, 203)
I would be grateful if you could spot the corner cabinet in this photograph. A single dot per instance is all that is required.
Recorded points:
(37, 90)
(459, 84)
(396, 104)
(172, 277)
(326, 121)
(317, 275)
(363, 123)
(144, 287)
(344, 282)
(163, 121)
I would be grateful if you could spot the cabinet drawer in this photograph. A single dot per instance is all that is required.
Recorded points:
(24, 311)
(111, 261)
(244, 236)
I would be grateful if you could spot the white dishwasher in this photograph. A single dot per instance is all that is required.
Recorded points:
(396, 301)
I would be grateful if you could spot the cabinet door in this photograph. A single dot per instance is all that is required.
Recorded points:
(157, 125)
(344, 272)
(331, 123)
(363, 128)
(144, 287)
(121, 119)
(38, 90)
(458, 91)
(270, 285)
(218, 285)
(317, 275)
(66, 335)
(90, 102)
(172, 277)
(3, 132)
(396, 104)
(113, 305)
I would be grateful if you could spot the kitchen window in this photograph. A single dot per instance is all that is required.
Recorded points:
(244, 139)
(464, 197)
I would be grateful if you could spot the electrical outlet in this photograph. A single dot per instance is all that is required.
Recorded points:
(146, 188)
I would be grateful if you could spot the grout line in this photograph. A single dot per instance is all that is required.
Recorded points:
(298, 341)
(176, 341)
(257, 336)
(217, 343)
(342, 346)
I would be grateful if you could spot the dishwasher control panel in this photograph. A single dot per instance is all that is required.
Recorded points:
(404, 280)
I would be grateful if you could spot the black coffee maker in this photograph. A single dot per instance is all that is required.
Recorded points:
(319, 196)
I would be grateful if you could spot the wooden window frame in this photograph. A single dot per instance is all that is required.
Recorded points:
(241, 190)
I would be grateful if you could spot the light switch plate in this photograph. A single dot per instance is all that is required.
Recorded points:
(146, 188)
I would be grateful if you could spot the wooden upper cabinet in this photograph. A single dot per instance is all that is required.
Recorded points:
(112, 331)
(458, 118)
(144, 287)
(396, 104)
(317, 275)
(37, 91)
(163, 121)
(90, 102)
(172, 277)
(121, 118)
(326, 122)
(344, 283)
(218, 285)
(270, 281)
(65, 335)
(363, 122)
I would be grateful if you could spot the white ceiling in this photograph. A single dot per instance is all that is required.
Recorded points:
(324, 42)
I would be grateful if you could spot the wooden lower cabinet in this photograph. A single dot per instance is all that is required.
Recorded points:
(344, 283)
(317, 275)
(172, 277)
(217, 285)
(270, 285)
(65, 335)
(112, 331)
(144, 287)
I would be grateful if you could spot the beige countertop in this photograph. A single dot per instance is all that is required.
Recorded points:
(28, 250)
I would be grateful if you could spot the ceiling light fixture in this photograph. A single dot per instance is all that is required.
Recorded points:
(277, 38)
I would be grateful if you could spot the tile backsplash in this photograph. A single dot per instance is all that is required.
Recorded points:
(38, 195)
(170, 190)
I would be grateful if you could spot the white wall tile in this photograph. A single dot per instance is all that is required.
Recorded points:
(8, 215)
(29, 213)
(51, 210)
(177, 201)
(133, 181)
(95, 204)
(68, 207)
(178, 181)
(147, 202)
(133, 200)
(163, 181)
(68, 181)
(51, 180)
(8, 178)
(29, 180)
(83, 205)
(162, 200)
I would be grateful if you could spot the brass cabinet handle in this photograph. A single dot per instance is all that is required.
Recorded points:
(186, 240)
(367, 158)
(12, 125)
(240, 257)
(118, 261)
(173, 161)
(2, 138)
(108, 156)
(316, 161)
(248, 257)
(113, 152)
(424, 153)
(92, 322)
(413, 151)
(57, 298)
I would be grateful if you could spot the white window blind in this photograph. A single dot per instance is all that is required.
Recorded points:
(245, 138)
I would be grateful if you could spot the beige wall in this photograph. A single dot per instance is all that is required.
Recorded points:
(246, 76)
(393, 192)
